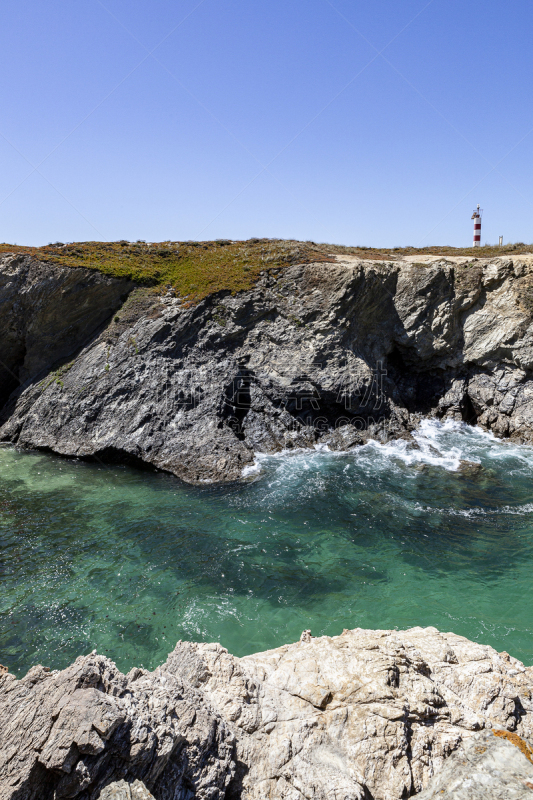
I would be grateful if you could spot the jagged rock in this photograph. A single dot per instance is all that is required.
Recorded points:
(485, 766)
(46, 313)
(330, 353)
(365, 714)
(69, 734)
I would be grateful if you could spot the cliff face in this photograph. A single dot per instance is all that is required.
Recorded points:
(368, 714)
(46, 314)
(321, 353)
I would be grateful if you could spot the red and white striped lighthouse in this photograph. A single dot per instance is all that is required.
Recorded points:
(476, 216)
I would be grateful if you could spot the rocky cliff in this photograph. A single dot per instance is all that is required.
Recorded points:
(322, 353)
(368, 714)
(47, 313)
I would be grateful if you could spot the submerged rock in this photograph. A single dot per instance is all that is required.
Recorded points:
(472, 469)
(365, 714)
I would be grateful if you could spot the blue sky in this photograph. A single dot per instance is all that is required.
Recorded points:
(379, 123)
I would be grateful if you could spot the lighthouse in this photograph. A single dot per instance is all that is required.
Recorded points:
(476, 216)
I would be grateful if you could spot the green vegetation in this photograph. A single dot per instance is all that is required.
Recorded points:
(193, 269)
(133, 342)
(56, 376)
(196, 269)
(219, 315)
(295, 320)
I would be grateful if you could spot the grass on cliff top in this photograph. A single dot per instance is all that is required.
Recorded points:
(197, 269)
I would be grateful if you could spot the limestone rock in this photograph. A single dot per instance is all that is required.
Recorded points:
(69, 734)
(485, 766)
(364, 714)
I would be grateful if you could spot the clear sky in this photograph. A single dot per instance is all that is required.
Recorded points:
(363, 122)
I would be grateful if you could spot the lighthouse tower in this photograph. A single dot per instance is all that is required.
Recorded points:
(476, 216)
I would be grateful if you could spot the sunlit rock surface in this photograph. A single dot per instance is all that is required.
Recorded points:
(485, 766)
(122, 790)
(365, 714)
(322, 353)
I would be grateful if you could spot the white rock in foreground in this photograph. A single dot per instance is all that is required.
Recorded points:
(484, 766)
(365, 714)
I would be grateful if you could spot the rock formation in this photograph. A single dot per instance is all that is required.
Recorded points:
(321, 353)
(485, 766)
(46, 313)
(330, 353)
(70, 733)
(365, 714)
(122, 790)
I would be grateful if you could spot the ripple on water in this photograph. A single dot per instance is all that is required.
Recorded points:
(383, 536)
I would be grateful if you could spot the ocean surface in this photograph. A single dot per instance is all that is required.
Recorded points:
(385, 536)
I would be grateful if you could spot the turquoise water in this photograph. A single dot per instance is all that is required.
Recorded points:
(129, 562)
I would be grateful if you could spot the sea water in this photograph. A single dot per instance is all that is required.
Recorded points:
(384, 536)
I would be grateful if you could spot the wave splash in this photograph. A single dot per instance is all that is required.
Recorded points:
(434, 443)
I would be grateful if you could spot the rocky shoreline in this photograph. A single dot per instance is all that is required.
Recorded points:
(367, 714)
(327, 354)
(317, 354)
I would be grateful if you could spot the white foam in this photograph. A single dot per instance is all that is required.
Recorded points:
(253, 469)
(428, 447)
(446, 444)
(438, 444)
(523, 510)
